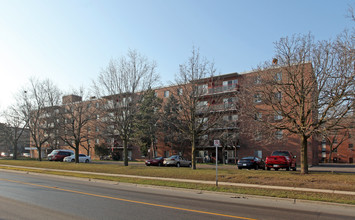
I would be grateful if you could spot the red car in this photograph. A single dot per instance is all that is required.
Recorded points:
(58, 155)
(158, 161)
(281, 160)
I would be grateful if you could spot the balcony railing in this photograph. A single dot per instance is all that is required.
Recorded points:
(222, 89)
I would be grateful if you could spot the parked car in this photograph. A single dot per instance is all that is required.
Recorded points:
(4, 154)
(82, 158)
(26, 154)
(177, 161)
(157, 161)
(58, 155)
(251, 163)
(281, 159)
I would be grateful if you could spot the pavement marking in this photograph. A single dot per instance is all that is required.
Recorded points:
(126, 200)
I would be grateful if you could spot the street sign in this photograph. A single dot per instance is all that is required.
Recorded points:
(216, 143)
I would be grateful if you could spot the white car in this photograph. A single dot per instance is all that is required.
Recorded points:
(82, 158)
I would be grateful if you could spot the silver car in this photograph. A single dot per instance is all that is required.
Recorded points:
(177, 161)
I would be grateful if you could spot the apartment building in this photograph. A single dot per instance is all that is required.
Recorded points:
(224, 98)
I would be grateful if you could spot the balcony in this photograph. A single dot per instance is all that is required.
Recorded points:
(223, 89)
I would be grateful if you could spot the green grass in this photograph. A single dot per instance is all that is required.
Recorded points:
(335, 181)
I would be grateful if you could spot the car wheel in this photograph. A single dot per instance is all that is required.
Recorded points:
(178, 164)
(86, 161)
(256, 167)
(276, 169)
(294, 168)
(287, 168)
(240, 168)
(72, 160)
(268, 168)
(190, 165)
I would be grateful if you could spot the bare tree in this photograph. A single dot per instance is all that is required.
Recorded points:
(197, 113)
(37, 103)
(76, 117)
(120, 85)
(309, 90)
(13, 128)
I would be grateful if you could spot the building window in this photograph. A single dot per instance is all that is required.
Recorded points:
(230, 102)
(97, 141)
(230, 84)
(179, 91)
(278, 116)
(166, 94)
(97, 105)
(279, 134)
(258, 116)
(202, 89)
(278, 96)
(278, 77)
(257, 98)
(351, 146)
(97, 129)
(257, 80)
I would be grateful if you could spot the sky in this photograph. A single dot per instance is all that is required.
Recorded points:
(71, 41)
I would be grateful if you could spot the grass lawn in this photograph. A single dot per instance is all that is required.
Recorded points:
(317, 180)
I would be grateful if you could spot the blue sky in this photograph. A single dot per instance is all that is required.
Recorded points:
(70, 41)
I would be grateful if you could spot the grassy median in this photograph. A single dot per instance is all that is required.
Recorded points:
(316, 180)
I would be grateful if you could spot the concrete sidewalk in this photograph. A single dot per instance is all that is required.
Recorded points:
(197, 181)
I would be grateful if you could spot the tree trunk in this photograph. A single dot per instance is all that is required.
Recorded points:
(330, 154)
(193, 156)
(77, 153)
(125, 152)
(15, 151)
(39, 149)
(304, 159)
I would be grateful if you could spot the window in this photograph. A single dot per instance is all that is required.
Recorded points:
(278, 76)
(229, 102)
(257, 98)
(179, 91)
(202, 89)
(166, 94)
(202, 105)
(230, 84)
(97, 105)
(97, 129)
(278, 96)
(279, 134)
(278, 116)
(97, 141)
(230, 117)
(351, 146)
(257, 79)
(258, 116)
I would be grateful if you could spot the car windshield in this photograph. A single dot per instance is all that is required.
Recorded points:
(247, 158)
(55, 152)
(280, 153)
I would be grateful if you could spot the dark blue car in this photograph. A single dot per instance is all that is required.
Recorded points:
(251, 163)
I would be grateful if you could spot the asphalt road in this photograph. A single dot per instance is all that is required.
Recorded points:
(27, 196)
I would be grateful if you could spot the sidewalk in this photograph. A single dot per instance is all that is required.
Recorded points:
(198, 181)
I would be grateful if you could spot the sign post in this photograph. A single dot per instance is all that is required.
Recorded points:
(216, 144)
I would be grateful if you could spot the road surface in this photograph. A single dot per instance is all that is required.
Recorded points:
(27, 196)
